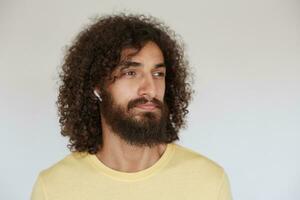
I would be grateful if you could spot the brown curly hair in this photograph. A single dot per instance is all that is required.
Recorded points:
(91, 60)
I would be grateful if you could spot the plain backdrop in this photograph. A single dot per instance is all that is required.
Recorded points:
(246, 108)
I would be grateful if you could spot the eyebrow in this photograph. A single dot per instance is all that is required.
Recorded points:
(127, 64)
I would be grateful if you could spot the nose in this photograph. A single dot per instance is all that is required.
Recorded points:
(147, 87)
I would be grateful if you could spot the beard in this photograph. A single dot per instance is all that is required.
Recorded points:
(140, 128)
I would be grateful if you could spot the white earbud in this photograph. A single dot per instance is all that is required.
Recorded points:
(97, 95)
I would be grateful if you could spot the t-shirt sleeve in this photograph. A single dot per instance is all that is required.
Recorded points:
(224, 191)
(38, 191)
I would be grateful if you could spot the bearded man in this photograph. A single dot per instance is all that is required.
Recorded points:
(123, 99)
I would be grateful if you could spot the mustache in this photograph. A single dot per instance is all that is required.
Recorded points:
(143, 100)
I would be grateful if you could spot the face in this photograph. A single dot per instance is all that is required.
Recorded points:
(133, 103)
(140, 75)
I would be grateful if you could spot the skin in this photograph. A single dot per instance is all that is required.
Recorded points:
(143, 77)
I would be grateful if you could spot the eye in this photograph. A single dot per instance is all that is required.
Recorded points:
(129, 73)
(159, 74)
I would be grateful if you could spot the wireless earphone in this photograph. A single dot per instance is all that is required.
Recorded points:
(97, 95)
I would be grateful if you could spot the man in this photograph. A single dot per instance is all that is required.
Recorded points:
(122, 102)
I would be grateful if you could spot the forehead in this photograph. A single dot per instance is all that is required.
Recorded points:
(149, 55)
(150, 51)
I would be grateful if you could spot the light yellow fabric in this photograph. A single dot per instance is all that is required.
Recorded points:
(179, 174)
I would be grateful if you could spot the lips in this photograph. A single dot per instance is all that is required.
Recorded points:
(147, 106)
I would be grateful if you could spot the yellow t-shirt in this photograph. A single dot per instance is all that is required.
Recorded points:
(179, 174)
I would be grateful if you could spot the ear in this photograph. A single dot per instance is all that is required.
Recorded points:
(97, 89)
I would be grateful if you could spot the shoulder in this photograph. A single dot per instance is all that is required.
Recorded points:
(197, 171)
(200, 173)
(195, 162)
(68, 166)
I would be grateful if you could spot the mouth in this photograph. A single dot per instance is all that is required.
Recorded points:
(147, 106)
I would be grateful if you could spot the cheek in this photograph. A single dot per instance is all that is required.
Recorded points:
(123, 93)
(160, 91)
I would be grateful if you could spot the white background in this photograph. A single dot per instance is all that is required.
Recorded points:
(245, 113)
